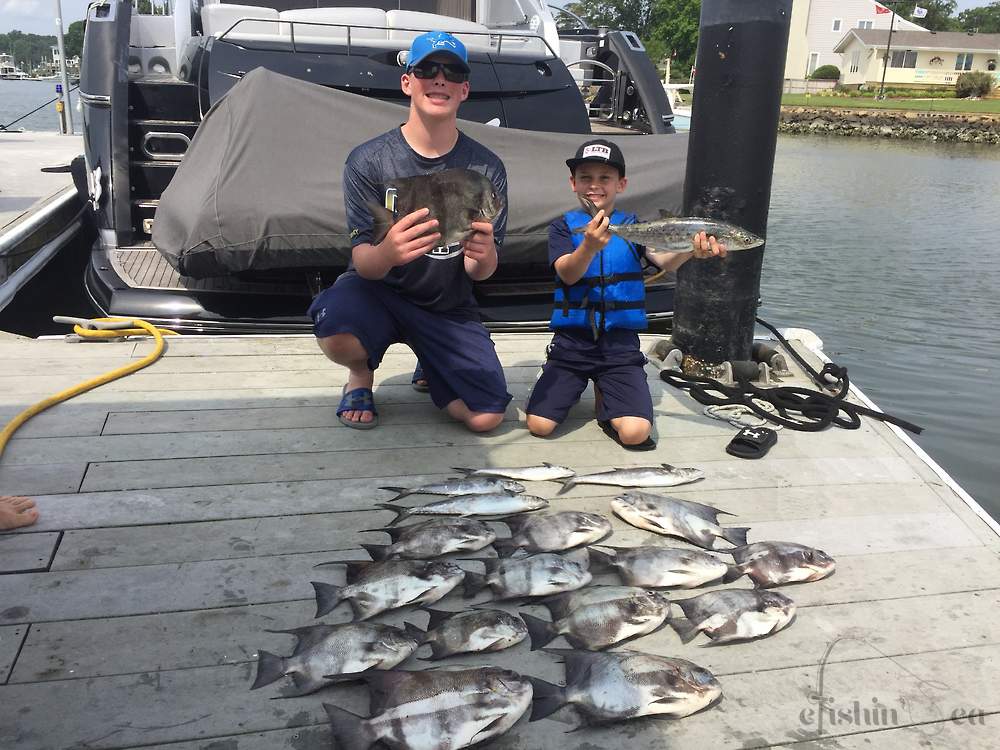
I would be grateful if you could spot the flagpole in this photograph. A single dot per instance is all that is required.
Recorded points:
(885, 63)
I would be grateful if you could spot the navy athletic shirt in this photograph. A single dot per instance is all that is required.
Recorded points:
(435, 281)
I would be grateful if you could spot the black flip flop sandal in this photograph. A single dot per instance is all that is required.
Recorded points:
(646, 445)
(418, 375)
(752, 442)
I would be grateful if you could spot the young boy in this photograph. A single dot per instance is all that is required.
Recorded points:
(599, 307)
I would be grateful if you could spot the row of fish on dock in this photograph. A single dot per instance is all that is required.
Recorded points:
(548, 560)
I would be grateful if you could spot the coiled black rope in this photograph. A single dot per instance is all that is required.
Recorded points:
(795, 408)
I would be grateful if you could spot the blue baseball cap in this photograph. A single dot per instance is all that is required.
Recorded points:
(437, 42)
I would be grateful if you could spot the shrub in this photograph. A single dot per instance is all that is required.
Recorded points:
(826, 73)
(975, 83)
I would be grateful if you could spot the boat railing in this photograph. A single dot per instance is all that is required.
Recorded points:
(599, 106)
(493, 40)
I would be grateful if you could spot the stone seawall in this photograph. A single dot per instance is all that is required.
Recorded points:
(876, 123)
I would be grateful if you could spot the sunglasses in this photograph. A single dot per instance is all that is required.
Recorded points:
(429, 70)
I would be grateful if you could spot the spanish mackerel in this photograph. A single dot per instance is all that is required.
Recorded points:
(467, 486)
(379, 586)
(433, 538)
(436, 710)
(597, 626)
(545, 472)
(470, 505)
(733, 615)
(552, 533)
(776, 563)
(326, 653)
(664, 567)
(674, 233)
(472, 631)
(694, 522)
(663, 475)
(615, 685)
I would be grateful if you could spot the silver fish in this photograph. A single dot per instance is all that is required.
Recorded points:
(379, 586)
(697, 523)
(433, 538)
(663, 567)
(538, 575)
(473, 631)
(674, 233)
(436, 710)
(612, 686)
(455, 197)
(470, 505)
(552, 533)
(326, 653)
(733, 615)
(561, 605)
(663, 475)
(776, 563)
(467, 486)
(545, 472)
(597, 626)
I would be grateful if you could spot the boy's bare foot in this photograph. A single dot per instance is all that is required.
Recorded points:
(16, 512)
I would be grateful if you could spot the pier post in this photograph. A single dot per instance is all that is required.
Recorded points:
(734, 129)
(66, 114)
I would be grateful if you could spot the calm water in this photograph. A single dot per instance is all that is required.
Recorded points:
(883, 248)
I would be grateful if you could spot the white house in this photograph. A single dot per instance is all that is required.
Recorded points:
(916, 58)
(818, 26)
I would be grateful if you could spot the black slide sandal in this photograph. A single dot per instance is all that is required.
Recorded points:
(752, 442)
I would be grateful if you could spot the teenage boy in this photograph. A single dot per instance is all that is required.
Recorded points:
(398, 290)
(599, 307)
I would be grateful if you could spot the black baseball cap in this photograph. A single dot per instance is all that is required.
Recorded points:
(598, 151)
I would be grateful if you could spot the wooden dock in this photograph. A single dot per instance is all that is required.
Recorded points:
(184, 507)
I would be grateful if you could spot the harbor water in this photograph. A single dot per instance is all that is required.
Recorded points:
(19, 97)
(883, 248)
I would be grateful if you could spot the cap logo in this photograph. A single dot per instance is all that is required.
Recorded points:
(435, 43)
(596, 149)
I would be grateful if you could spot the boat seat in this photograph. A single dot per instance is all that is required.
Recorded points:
(218, 18)
(365, 23)
(404, 25)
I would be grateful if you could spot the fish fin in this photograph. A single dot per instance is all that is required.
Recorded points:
(382, 221)
(546, 698)
(377, 551)
(588, 205)
(665, 214)
(350, 731)
(270, 667)
(473, 583)
(307, 636)
(684, 628)
(394, 532)
(733, 573)
(327, 597)
(567, 485)
(486, 727)
(505, 547)
(541, 632)
(401, 492)
(736, 535)
(600, 561)
(401, 513)
(463, 470)
(556, 604)
(414, 632)
(436, 617)
(304, 685)
(382, 684)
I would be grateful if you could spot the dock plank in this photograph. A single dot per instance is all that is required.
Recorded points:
(41, 479)
(25, 552)
(11, 638)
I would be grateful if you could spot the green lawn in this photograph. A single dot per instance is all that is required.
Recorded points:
(991, 106)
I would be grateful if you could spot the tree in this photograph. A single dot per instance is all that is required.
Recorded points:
(676, 32)
(637, 16)
(940, 13)
(985, 20)
(73, 39)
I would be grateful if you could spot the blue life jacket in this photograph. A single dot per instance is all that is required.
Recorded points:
(611, 293)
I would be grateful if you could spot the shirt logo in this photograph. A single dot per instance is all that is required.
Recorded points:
(596, 149)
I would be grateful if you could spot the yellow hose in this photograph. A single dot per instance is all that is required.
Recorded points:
(140, 328)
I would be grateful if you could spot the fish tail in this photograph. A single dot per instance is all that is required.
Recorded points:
(504, 547)
(401, 492)
(546, 698)
(734, 573)
(350, 731)
(540, 631)
(473, 583)
(401, 513)
(420, 636)
(382, 220)
(684, 628)
(736, 535)
(377, 551)
(600, 561)
(269, 668)
(567, 485)
(327, 597)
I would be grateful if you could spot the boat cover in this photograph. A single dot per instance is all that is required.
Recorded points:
(260, 185)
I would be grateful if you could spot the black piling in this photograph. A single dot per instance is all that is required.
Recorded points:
(737, 99)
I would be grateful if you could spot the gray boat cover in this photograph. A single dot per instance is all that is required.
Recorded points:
(260, 185)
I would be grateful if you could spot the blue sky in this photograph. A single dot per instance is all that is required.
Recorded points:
(38, 16)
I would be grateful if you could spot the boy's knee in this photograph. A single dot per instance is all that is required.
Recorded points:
(482, 421)
(632, 431)
(342, 346)
(540, 426)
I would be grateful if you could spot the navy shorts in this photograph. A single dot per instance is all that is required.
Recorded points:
(615, 364)
(456, 351)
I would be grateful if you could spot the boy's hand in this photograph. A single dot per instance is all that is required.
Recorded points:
(480, 244)
(409, 238)
(706, 246)
(596, 235)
